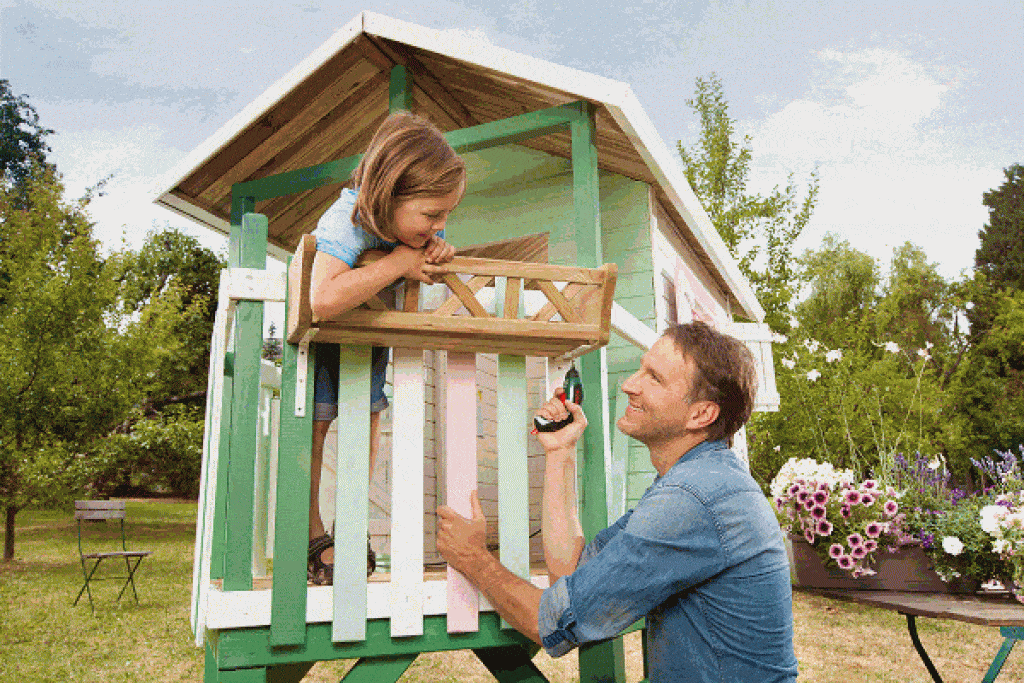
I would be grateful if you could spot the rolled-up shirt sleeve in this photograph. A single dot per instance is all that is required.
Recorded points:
(669, 543)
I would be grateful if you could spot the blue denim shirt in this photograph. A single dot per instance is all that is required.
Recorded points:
(701, 557)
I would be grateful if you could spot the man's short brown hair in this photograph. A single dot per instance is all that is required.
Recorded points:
(725, 375)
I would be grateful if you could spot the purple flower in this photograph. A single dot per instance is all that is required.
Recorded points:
(873, 529)
(824, 527)
(809, 535)
(859, 552)
(870, 545)
(852, 497)
(845, 511)
(821, 497)
(818, 512)
(870, 484)
(809, 504)
(927, 540)
(891, 508)
(844, 561)
(803, 496)
(867, 499)
(855, 540)
(835, 551)
(793, 490)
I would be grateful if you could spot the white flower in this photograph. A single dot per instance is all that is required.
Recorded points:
(833, 356)
(793, 322)
(991, 519)
(928, 345)
(777, 449)
(779, 338)
(937, 462)
(812, 345)
(788, 362)
(952, 545)
(813, 375)
(892, 347)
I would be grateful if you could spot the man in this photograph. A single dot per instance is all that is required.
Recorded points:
(701, 554)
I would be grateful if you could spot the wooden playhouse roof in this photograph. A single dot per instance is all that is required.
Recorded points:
(328, 106)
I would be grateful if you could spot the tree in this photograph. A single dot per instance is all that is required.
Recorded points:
(71, 365)
(758, 230)
(21, 137)
(169, 259)
(1001, 252)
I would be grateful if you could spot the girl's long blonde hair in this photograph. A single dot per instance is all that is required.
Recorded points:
(408, 157)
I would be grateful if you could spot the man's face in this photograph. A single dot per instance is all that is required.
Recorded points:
(659, 406)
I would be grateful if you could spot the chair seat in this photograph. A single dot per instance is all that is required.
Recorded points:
(119, 553)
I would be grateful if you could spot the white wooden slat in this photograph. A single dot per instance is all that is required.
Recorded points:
(407, 424)
(513, 473)
(616, 475)
(461, 478)
(351, 495)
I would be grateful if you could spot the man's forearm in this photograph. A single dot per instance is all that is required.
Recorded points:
(515, 599)
(560, 524)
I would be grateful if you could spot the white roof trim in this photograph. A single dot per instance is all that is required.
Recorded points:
(616, 95)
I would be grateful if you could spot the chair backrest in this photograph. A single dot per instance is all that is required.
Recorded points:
(99, 509)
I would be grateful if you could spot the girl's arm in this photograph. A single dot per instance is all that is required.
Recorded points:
(336, 288)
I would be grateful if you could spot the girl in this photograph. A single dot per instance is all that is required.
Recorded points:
(406, 185)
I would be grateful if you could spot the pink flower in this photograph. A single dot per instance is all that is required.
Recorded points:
(793, 490)
(821, 497)
(835, 551)
(809, 535)
(852, 497)
(891, 508)
(870, 545)
(803, 496)
(844, 561)
(818, 512)
(867, 499)
(824, 527)
(845, 511)
(873, 529)
(809, 504)
(855, 540)
(859, 552)
(869, 484)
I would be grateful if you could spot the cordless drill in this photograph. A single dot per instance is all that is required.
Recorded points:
(572, 389)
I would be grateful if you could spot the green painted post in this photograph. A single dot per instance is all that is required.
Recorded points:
(245, 405)
(291, 521)
(400, 90)
(602, 661)
(379, 670)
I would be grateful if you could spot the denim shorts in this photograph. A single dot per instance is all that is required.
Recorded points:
(325, 388)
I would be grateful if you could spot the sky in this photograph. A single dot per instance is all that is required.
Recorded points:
(909, 111)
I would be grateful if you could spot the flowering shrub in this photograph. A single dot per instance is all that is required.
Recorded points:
(1004, 523)
(845, 521)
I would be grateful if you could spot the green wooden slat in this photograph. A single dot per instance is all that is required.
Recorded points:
(513, 475)
(256, 675)
(291, 509)
(400, 90)
(379, 669)
(299, 180)
(209, 664)
(251, 646)
(351, 502)
(511, 130)
(251, 253)
(601, 661)
(510, 665)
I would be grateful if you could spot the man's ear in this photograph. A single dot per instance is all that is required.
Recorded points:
(702, 415)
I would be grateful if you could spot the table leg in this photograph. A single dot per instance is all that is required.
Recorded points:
(1011, 636)
(912, 628)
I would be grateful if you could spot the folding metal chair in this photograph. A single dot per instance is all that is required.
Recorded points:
(103, 510)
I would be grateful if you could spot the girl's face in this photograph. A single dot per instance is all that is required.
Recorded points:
(418, 219)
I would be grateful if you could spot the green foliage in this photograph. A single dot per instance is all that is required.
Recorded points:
(71, 365)
(172, 261)
(1001, 253)
(21, 137)
(759, 230)
(161, 454)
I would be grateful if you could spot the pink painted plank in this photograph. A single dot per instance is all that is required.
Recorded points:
(460, 448)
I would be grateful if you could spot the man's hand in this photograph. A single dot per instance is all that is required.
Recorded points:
(566, 437)
(462, 542)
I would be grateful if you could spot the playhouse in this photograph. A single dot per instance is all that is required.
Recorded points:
(579, 240)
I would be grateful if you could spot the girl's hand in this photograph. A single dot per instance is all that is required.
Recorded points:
(566, 437)
(438, 251)
(414, 264)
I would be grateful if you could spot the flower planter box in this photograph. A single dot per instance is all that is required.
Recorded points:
(909, 569)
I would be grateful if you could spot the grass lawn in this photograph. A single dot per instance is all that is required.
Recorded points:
(44, 638)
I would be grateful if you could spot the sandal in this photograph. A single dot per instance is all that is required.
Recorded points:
(318, 571)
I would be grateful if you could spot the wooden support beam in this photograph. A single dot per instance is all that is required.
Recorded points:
(464, 295)
(461, 474)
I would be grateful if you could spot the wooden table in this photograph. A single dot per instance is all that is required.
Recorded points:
(995, 609)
